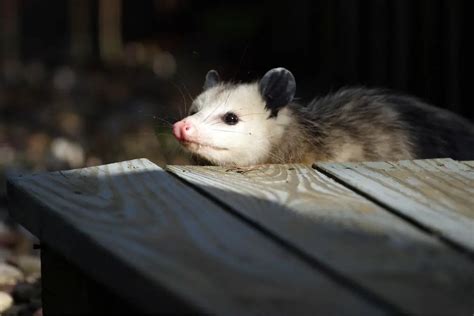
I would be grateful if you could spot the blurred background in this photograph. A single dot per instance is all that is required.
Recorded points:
(88, 82)
(85, 82)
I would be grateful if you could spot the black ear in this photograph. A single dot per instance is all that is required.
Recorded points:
(212, 79)
(278, 88)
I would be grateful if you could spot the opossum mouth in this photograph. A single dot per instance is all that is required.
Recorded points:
(196, 145)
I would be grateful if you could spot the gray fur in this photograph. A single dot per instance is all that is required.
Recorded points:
(373, 124)
(354, 124)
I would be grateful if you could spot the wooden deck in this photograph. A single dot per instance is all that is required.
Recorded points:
(330, 239)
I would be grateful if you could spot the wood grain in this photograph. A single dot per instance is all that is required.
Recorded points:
(164, 247)
(470, 163)
(437, 193)
(346, 232)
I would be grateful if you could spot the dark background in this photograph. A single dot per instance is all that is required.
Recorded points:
(422, 47)
(61, 79)
(88, 82)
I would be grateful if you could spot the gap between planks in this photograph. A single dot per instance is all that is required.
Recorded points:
(314, 244)
(335, 275)
(380, 182)
(420, 225)
(127, 213)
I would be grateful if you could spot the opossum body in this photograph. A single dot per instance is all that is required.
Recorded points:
(256, 123)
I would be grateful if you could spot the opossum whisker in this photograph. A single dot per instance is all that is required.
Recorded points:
(218, 120)
(183, 97)
(220, 104)
(240, 61)
(230, 91)
(227, 131)
(166, 134)
(352, 124)
(163, 120)
(161, 126)
(185, 88)
(259, 113)
(215, 123)
(187, 91)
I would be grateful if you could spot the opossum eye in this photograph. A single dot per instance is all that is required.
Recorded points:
(230, 118)
(192, 112)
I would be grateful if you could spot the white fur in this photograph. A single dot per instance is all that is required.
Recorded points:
(248, 142)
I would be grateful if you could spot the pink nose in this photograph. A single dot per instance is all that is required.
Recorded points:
(182, 129)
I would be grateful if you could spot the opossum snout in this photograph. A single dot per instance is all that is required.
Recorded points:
(183, 129)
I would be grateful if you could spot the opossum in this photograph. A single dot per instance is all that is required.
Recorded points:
(257, 123)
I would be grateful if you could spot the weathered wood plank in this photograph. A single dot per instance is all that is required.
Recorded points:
(437, 193)
(164, 247)
(470, 163)
(345, 231)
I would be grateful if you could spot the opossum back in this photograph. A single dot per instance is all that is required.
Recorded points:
(436, 132)
(387, 126)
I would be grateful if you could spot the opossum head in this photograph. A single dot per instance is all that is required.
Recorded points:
(238, 124)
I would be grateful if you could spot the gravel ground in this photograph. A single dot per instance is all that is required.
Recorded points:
(20, 272)
(56, 118)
